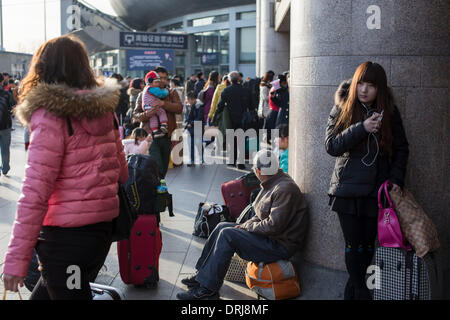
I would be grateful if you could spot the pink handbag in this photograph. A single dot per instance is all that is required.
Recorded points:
(389, 231)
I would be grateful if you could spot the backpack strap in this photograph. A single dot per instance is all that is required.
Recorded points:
(116, 123)
(69, 125)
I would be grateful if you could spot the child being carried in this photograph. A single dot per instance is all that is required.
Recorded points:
(152, 92)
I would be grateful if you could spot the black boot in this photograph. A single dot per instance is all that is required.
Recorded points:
(349, 293)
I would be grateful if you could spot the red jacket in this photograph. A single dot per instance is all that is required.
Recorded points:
(272, 104)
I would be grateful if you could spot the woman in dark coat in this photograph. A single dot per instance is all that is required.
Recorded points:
(136, 87)
(365, 133)
(278, 101)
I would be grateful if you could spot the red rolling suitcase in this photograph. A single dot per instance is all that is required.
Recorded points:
(236, 194)
(139, 256)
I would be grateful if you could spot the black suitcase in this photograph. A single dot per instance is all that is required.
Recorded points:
(402, 275)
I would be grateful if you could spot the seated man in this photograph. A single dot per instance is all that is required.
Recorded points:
(276, 231)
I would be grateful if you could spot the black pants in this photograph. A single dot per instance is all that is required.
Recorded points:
(270, 124)
(160, 150)
(71, 258)
(359, 234)
(237, 151)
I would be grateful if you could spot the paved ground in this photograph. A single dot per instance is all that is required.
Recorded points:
(190, 186)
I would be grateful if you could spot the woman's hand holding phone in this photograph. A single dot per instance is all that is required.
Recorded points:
(372, 124)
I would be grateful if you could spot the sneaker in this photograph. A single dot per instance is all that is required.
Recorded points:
(191, 165)
(198, 293)
(241, 166)
(190, 281)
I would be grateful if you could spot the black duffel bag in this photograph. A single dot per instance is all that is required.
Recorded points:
(124, 222)
(209, 215)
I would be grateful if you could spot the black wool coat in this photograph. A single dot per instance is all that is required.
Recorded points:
(351, 178)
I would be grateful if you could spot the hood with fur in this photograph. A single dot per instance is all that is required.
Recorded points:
(133, 91)
(341, 93)
(63, 101)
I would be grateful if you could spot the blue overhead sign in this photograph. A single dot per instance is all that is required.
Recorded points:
(153, 40)
(149, 59)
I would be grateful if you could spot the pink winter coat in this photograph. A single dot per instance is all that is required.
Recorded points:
(70, 181)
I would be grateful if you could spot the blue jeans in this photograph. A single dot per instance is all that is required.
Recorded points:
(220, 247)
(5, 143)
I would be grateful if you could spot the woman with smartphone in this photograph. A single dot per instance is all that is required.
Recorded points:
(365, 133)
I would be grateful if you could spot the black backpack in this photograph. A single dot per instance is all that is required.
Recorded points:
(144, 178)
(205, 223)
(5, 110)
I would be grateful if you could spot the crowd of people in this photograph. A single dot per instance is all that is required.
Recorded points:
(76, 157)
(145, 103)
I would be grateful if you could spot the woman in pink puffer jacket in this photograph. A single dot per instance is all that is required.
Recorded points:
(75, 161)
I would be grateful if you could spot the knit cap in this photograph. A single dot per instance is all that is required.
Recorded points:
(151, 76)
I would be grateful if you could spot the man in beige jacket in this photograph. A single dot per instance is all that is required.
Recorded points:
(276, 232)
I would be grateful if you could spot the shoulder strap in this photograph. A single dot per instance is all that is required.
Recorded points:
(69, 125)
(116, 123)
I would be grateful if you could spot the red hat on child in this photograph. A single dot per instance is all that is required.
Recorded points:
(152, 75)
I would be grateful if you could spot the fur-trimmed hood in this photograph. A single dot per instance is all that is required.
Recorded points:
(63, 101)
(133, 91)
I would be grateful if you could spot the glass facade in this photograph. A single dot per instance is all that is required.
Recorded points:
(224, 47)
(249, 15)
(208, 20)
(209, 43)
(173, 27)
(247, 45)
(106, 63)
(219, 40)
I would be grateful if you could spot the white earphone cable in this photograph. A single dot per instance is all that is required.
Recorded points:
(368, 145)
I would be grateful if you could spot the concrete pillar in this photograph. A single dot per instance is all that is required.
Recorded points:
(272, 48)
(329, 39)
(1, 26)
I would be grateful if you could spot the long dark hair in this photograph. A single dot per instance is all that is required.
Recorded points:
(213, 79)
(138, 133)
(136, 83)
(62, 60)
(350, 109)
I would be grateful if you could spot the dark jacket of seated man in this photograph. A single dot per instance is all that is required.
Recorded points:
(280, 212)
